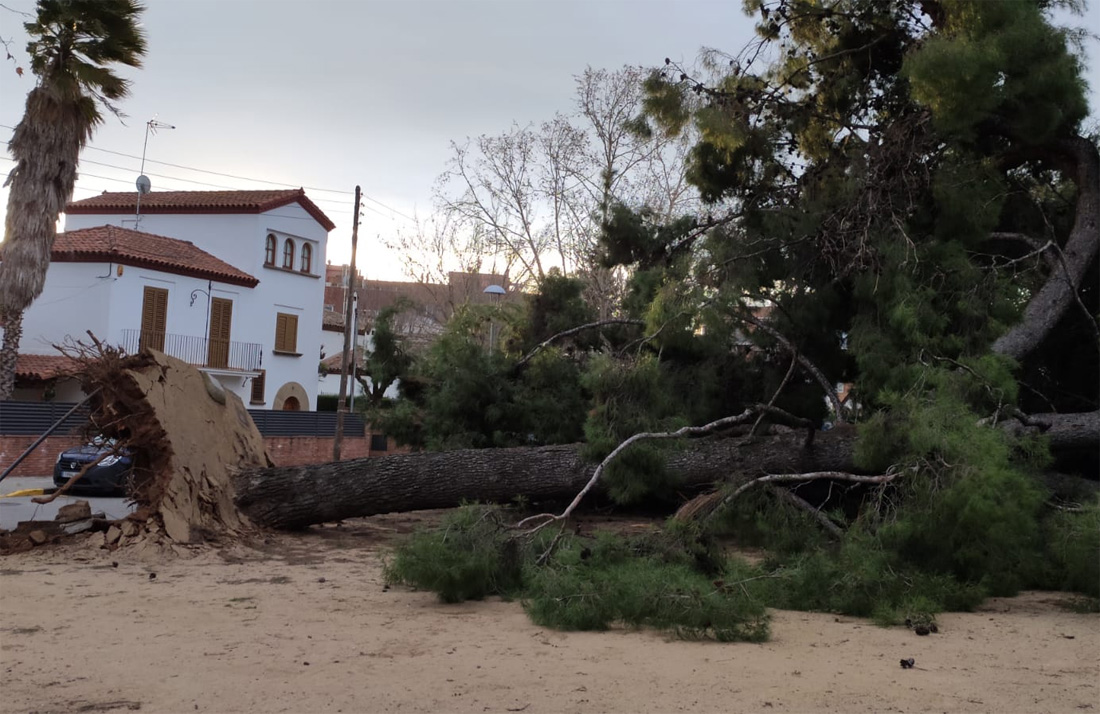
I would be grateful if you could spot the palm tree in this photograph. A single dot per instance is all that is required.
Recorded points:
(73, 45)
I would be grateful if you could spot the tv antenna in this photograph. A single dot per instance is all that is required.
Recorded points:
(144, 185)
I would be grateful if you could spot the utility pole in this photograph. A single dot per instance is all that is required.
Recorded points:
(354, 350)
(349, 327)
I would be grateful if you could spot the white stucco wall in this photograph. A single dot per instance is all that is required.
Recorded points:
(76, 298)
(108, 301)
(240, 239)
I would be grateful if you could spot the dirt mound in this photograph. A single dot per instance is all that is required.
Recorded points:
(188, 436)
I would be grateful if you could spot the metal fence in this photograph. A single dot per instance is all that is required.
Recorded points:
(23, 418)
(276, 423)
(200, 351)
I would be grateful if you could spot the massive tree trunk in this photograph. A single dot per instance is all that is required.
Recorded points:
(298, 496)
(1047, 306)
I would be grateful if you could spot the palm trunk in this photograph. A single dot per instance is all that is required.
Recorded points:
(9, 352)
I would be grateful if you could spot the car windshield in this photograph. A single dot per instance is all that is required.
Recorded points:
(103, 442)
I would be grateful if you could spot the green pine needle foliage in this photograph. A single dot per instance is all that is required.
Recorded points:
(469, 557)
(606, 585)
(1072, 550)
(666, 582)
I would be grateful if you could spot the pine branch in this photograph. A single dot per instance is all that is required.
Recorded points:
(571, 331)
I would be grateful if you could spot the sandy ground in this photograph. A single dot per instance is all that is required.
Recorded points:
(306, 625)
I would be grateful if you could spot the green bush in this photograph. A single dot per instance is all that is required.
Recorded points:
(469, 557)
(758, 518)
(328, 402)
(660, 580)
(1073, 550)
(982, 528)
(640, 584)
(860, 578)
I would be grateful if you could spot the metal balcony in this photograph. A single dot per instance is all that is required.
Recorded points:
(199, 351)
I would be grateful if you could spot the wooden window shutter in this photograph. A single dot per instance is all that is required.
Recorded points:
(258, 387)
(280, 332)
(292, 333)
(221, 321)
(154, 317)
(286, 333)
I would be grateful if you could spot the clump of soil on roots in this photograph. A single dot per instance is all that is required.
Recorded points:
(188, 437)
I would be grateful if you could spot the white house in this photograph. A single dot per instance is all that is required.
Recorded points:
(231, 281)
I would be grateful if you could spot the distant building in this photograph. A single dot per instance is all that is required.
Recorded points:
(431, 305)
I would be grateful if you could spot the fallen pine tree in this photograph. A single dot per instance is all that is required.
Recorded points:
(202, 472)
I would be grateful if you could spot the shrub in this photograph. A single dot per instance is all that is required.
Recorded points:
(469, 557)
(758, 518)
(657, 580)
(1073, 550)
(860, 578)
(640, 584)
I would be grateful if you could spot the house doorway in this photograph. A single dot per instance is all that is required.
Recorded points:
(291, 397)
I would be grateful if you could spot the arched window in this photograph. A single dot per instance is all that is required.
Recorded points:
(269, 250)
(288, 254)
(307, 257)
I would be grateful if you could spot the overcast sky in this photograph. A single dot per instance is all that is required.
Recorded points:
(330, 93)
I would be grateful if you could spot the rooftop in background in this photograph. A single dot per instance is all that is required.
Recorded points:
(333, 321)
(172, 202)
(39, 368)
(144, 250)
(435, 299)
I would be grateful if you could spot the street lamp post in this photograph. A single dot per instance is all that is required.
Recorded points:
(494, 292)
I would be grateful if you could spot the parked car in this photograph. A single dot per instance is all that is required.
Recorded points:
(110, 477)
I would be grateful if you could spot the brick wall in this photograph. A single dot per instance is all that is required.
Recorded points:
(284, 451)
(303, 450)
(41, 460)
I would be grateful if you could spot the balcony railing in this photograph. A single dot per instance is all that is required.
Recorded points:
(199, 351)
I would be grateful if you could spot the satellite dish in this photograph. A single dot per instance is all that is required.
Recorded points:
(144, 185)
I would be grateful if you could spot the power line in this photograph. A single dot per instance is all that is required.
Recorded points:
(174, 178)
(205, 171)
(127, 181)
(240, 178)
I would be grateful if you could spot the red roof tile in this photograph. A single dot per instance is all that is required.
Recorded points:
(173, 202)
(144, 250)
(335, 362)
(37, 368)
(333, 321)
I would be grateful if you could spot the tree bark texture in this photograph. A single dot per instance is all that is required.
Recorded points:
(1047, 306)
(12, 323)
(295, 497)
(299, 496)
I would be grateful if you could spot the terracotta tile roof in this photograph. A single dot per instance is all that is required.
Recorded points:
(144, 250)
(173, 202)
(333, 321)
(38, 368)
(332, 364)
